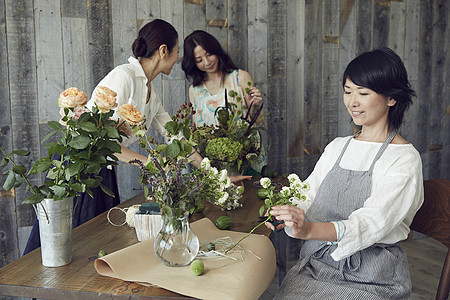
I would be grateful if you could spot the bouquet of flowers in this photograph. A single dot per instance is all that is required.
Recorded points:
(296, 193)
(164, 176)
(235, 143)
(87, 142)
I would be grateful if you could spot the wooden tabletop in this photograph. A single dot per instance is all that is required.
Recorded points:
(27, 277)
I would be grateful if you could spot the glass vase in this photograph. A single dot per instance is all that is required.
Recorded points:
(176, 245)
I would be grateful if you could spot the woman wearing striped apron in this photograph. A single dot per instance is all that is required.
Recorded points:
(366, 190)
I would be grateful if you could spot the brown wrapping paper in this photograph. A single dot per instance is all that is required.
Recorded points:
(224, 278)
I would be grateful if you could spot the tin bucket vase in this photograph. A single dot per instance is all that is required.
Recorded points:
(55, 230)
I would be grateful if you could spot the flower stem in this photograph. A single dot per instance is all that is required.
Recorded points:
(251, 231)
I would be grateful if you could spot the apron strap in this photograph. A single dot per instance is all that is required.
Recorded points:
(382, 148)
(343, 149)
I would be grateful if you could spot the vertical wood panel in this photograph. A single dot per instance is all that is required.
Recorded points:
(100, 39)
(8, 220)
(276, 77)
(364, 26)
(380, 23)
(77, 70)
(216, 20)
(295, 68)
(330, 64)
(238, 33)
(49, 58)
(313, 70)
(437, 108)
(194, 16)
(446, 106)
(425, 77)
(22, 82)
(124, 29)
(410, 58)
(347, 50)
(257, 44)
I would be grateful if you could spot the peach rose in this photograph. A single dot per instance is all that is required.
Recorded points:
(105, 98)
(130, 114)
(72, 97)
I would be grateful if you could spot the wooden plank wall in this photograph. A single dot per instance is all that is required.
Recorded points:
(296, 50)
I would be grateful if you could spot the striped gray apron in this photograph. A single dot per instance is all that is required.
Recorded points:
(378, 272)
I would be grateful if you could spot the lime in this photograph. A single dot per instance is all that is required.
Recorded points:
(262, 193)
(102, 253)
(197, 267)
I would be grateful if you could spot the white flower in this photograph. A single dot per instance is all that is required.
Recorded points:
(285, 191)
(265, 182)
(223, 175)
(293, 177)
(213, 171)
(205, 164)
(229, 183)
(224, 198)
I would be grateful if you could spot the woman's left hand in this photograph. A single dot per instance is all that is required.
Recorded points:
(255, 95)
(239, 179)
(293, 217)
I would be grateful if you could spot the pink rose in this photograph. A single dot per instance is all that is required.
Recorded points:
(72, 97)
(105, 98)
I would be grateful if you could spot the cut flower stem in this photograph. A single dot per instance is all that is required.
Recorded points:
(251, 231)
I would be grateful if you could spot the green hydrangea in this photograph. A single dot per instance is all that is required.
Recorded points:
(223, 149)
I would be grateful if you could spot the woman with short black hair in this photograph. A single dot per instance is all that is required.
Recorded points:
(366, 189)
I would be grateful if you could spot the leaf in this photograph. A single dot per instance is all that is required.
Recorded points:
(107, 190)
(80, 142)
(87, 126)
(90, 182)
(48, 136)
(54, 125)
(261, 210)
(19, 169)
(33, 199)
(161, 148)
(112, 132)
(75, 168)
(9, 181)
(4, 162)
(41, 166)
(173, 150)
(171, 127)
(59, 190)
(21, 152)
(77, 187)
(186, 133)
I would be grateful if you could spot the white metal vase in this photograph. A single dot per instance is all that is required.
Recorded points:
(55, 230)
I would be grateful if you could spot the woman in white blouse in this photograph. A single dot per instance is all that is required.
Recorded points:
(366, 190)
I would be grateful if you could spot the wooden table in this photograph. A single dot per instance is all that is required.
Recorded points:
(27, 277)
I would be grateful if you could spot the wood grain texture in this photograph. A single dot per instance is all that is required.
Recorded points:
(49, 58)
(100, 52)
(276, 75)
(217, 20)
(27, 277)
(124, 29)
(238, 33)
(23, 95)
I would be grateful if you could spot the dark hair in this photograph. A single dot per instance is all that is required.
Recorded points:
(212, 46)
(152, 36)
(382, 71)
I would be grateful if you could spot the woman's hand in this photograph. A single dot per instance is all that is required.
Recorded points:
(239, 179)
(293, 217)
(255, 95)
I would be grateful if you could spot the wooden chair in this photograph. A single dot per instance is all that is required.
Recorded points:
(433, 219)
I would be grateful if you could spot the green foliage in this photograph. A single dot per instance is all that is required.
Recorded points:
(236, 137)
(86, 145)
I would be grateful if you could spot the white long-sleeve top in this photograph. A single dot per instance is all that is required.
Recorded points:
(130, 84)
(396, 194)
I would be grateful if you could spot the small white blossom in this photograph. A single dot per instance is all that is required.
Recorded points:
(223, 175)
(265, 182)
(205, 164)
(285, 191)
(293, 177)
(213, 171)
